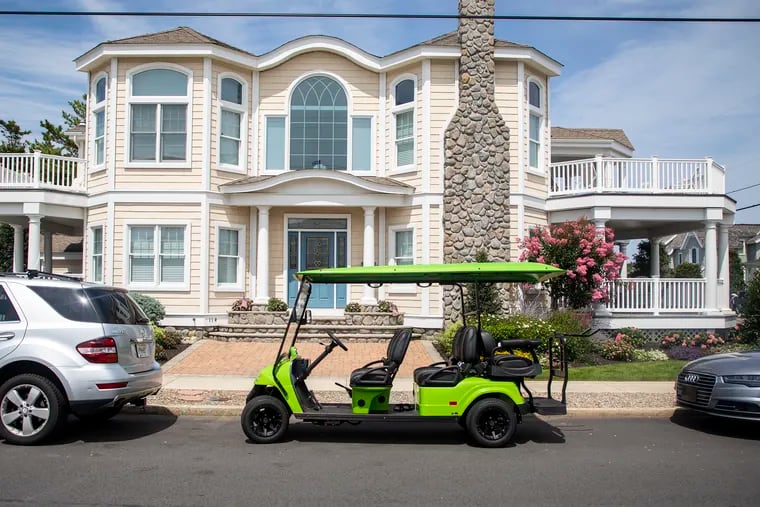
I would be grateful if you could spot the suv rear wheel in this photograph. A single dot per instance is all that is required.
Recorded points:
(31, 409)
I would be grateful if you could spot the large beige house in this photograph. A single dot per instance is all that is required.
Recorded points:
(209, 173)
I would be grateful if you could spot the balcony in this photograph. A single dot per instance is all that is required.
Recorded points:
(637, 176)
(37, 171)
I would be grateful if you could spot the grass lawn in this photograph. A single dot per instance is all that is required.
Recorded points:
(644, 370)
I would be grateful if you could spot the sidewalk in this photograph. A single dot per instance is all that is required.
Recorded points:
(212, 378)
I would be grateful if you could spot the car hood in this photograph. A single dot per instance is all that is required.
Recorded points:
(732, 363)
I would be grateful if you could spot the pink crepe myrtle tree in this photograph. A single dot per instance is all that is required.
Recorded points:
(588, 257)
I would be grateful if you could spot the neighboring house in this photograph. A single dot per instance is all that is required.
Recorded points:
(744, 239)
(208, 173)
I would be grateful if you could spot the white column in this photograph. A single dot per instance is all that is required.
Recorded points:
(369, 251)
(600, 224)
(711, 266)
(724, 288)
(33, 254)
(654, 257)
(47, 251)
(262, 257)
(18, 248)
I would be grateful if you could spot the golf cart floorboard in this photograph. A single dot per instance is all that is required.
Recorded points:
(343, 412)
(549, 406)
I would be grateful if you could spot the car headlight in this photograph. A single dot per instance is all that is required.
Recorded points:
(745, 380)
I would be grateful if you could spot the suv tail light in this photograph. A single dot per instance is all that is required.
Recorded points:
(101, 350)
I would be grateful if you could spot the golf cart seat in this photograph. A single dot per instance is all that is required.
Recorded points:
(387, 367)
(509, 365)
(456, 347)
(466, 351)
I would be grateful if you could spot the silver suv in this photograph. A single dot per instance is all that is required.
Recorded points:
(69, 347)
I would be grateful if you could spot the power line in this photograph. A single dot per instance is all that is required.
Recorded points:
(643, 19)
(743, 188)
(748, 207)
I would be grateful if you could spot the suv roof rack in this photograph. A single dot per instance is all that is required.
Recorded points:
(34, 273)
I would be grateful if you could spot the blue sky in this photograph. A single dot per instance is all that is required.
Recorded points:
(678, 90)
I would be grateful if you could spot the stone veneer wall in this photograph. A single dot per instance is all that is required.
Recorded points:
(476, 166)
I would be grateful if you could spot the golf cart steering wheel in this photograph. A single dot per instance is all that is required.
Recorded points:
(336, 340)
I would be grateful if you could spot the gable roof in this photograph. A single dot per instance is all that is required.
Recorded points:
(736, 234)
(587, 133)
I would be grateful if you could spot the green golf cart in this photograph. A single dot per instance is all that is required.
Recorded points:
(481, 386)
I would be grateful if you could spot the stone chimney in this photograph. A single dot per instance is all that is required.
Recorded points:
(476, 167)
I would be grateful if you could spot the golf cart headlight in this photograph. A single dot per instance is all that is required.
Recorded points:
(745, 380)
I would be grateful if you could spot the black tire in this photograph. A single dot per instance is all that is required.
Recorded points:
(38, 405)
(265, 419)
(492, 422)
(100, 416)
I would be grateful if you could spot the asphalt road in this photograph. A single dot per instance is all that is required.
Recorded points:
(167, 461)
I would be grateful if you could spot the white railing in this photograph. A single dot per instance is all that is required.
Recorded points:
(36, 170)
(637, 175)
(656, 295)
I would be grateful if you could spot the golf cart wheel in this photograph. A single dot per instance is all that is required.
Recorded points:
(492, 422)
(31, 409)
(265, 419)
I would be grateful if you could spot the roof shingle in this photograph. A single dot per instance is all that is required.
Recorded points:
(586, 133)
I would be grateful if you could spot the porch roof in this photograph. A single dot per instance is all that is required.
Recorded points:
(317, 187)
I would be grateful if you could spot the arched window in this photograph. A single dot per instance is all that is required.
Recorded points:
(232, 124)
(99, 121)
(159, 101)
(319, 125)
(403, 119)
(536, 124)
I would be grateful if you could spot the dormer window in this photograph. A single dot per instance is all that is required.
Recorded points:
(158, 115)
(232, 123)
(403, 119)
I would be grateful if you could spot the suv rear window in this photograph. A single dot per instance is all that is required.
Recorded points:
(93, 304)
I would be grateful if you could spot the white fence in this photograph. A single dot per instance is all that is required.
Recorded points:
(36, 170)
(656, 295)
(637, 175)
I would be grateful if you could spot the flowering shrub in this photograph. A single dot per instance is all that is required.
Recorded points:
(618, 349)
(649, 355)
(276, 305)
(588, 258)
(353, 307)
(242, 305)
(704, 341)
(633, 336)
(386, 307)
(686, 353)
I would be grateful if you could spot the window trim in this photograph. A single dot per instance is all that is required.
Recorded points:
(286, 145)
(91, 253)
(240, 284)
(395, 110)
(156, 285)
(159, 100)
(401, 288)
(541, 113)
(241, 109)
(372, 146)
(95, 108)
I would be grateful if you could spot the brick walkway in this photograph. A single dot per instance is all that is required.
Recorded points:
(247, 358)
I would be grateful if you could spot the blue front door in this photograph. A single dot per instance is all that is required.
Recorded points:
(315, 250)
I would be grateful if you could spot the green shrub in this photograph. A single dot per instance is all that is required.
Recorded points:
(353, 307)
(386, 307)
(750, 329)
(578, 348)
(159, 335)
(633, 336)
(617, 349)
(687, 270)
(649, 355)
(152, 307)
(446, 339)
(276, 305)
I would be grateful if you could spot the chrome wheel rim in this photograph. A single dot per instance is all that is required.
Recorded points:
(493, 424)
(24, 410)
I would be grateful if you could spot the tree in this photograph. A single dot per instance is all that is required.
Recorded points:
(484, 296)
(13, 137)
(687, 270)
(750, 330)
(588, 258)
(54, 139)
(642, 261)
(735, 272)
(6, 247)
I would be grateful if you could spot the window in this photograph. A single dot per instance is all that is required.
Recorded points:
(361, 143)
(99, 121)
(229, 257)
(232, 122)
(403, 119)
(275, 142)
(694, 257)
(535, 127)
(403, 249)
(319, 125)
(157, 255)
(96, 262)
(7, 312)
(158, 116)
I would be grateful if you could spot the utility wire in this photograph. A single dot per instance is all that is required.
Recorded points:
(748, 207)
(743, 188)
(644, 19)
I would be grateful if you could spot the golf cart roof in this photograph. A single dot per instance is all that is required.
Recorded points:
(467, 272)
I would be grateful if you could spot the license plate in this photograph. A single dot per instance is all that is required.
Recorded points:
(142, 349)
(687, 393)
